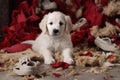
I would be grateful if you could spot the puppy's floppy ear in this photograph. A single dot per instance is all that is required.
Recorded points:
(69, 24)
(43, 24)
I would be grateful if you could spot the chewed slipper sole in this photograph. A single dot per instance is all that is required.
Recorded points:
(105, 44)
(24, 67)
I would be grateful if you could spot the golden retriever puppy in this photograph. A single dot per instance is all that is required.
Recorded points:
(55, 36)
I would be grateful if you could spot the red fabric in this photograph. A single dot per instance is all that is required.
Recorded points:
(1, 65)
(90, 39)
(87, 54)
(111, 58)
(92, 13)
(65, 9)
(17, 48)
(76, 3)
(64, 65)
(57, 74)
(78, 37)
(104, 2)
(21, 17)
(22, 26)
(24, 6)
(116, 39)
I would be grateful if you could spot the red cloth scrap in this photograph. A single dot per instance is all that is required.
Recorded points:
(64, 65)
(17, 48)
(87, 54)
(57, 74)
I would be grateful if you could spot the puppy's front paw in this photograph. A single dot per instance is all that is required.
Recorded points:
(49, 61)
(68, 60)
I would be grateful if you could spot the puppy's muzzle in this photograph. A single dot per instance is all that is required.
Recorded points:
(55, 31)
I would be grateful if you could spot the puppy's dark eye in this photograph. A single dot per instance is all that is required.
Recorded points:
(17, 68)
(51, 23)
(61, 23)
(24, 63)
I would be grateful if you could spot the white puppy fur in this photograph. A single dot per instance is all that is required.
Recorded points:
(55, 36)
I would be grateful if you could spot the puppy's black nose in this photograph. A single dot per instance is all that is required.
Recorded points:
(55, 31)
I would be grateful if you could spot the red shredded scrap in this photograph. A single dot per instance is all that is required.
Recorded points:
(24, 6)
(1, 64)
(90, 38)
(87, 54)
(78, 37)
(111, 58)
(34, 3)
(17, 48)
(21, 17)
(5, 43)
(30, 36)
(104, 2)
(116, 39)
(76, 3)
(64, 65)
(22, 26)
(65, 9)
(57, 74)
(94, 17)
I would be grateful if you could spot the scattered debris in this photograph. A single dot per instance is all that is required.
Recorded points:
(113, 8)
(98, 70)
(73, 72)
(64, 65)
(98, 62)
(57, 74)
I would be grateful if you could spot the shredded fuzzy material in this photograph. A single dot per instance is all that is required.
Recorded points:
(108, 30)
(112, 9)
(92, 58)
(98, 70)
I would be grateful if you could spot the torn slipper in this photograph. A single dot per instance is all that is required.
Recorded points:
(105, 44)
(79, 23)
(24, 67)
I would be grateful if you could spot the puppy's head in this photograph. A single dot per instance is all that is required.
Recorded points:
(56, 24)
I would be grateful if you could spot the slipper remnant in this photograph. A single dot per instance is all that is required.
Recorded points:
(106, 44)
